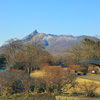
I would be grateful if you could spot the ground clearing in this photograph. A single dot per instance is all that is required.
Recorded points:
(90, 77)
(81, 80)
(39, 73)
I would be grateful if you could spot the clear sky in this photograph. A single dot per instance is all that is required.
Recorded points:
(18, 18)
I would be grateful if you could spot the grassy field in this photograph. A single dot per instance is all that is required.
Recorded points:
(80, 79)
(94, 77)
(79, 96)
(37, 74)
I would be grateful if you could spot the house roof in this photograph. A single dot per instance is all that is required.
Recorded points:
(97, 63)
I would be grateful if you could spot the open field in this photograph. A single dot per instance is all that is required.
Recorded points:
(93, 77)
(90, 77)
(37, 74)
(80, 79)
(81, 97)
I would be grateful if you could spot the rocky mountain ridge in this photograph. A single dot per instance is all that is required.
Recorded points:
(55, 43)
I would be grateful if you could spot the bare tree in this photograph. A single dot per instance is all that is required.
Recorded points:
(28, 56)
(87, 50)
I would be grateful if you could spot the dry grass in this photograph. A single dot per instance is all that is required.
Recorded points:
(80, 81)
(39, 73)
(75, 98)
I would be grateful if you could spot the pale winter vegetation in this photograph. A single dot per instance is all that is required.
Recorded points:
(87, 50)
(23, 60)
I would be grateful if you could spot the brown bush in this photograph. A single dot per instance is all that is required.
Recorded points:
(43, 65)
(78, 68)
(56, 78)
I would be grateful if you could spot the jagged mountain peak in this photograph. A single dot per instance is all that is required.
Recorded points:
(30, 36)
(35, 32)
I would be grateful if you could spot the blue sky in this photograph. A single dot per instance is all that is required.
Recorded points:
(18, 18)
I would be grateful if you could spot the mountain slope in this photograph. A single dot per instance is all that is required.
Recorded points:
(55, 43)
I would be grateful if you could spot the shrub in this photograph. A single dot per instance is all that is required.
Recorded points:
(40, 85)
(54, 80)
(32, 86)
(45, 96)
(17, 86)
(12, 82)
(78, 68)
(89, 88)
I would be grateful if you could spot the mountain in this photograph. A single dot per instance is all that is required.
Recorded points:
(55, 43)
(29, 37)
